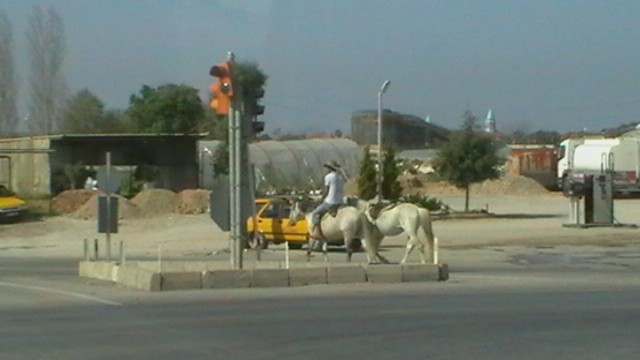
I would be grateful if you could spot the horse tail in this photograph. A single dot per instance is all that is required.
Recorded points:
(425, 231)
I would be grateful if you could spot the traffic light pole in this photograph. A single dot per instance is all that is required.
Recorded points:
(234, 213)
(229, 99)
(240, 175)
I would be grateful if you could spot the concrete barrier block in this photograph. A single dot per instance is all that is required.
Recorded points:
(444, 272)
(115, 268)
(225, 279)
(346, 275)
(269, 278)
(102, 270)
(128, 276)
(420, 272)
(86, 269)
(148, 280)
(181, 280)
(384, 273)
(307, 276)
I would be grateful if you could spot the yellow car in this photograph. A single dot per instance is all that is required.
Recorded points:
(11, 207)
(271, 225)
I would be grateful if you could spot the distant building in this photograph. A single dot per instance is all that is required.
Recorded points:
(490, 123)
(400, 131)
(37, 166)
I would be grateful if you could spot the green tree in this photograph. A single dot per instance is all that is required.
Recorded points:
(391, 187)
(114, 121)
(168, 108)
(467, 158)
(544, 137)
(367, 176)
(84, 113)
(221, 160)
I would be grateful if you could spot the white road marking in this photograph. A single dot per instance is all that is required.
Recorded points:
(61, 292)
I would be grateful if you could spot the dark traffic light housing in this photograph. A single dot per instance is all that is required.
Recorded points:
(253, 109)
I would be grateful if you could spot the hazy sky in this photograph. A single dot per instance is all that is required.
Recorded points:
(538, 64)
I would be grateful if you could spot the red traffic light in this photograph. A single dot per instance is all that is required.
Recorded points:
(222, 89)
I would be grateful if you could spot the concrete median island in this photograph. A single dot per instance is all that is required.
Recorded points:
(190, 275)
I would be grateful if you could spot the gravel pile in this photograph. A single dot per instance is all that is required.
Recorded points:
(507, 185)
(126, 209)
(71, 200)
(193, 201)
(153, 202)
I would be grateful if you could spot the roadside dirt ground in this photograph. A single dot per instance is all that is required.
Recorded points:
(529, 220)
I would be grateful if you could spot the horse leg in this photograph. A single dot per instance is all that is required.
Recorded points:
(347, 245)
(379, 258)
(311, 243)
(411, 230)
(409, 248)
(371, 241)
(325, 245)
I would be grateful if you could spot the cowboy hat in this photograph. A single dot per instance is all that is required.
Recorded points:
(333, 165)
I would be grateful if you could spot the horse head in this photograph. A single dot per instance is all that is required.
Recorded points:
(296, 213)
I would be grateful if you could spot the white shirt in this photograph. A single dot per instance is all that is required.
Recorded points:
(335, 182)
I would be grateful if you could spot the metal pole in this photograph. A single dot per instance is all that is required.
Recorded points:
(384, 87)
(238, 190)
(232, 183)
(108, 188)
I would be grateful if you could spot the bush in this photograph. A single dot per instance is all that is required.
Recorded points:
(429, 203)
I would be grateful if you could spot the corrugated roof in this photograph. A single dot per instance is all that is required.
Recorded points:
(106, 136)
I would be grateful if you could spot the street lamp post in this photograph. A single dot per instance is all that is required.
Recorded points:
(379, 172)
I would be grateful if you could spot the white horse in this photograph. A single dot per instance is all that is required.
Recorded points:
(396, 219)
(343, 228)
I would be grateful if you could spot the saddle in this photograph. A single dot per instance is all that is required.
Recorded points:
(376, 209)
(333, 210)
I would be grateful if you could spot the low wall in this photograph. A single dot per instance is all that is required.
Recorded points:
(210, 275)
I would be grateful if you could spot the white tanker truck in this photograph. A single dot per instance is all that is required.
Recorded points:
(582, 157)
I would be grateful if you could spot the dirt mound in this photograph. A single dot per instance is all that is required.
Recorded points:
(510, 185)
(507, 185)
(71, 200)
(152, 202)
(193, 201)
(126, 209)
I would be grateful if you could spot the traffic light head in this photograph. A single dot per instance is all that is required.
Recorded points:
(222, 89)
(253, 106)
(258, 127)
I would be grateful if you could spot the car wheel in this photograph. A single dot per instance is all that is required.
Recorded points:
(257, 241)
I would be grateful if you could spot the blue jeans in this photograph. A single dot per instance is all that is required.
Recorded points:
(317, 213)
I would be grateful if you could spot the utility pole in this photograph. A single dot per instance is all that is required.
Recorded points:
(384, 87)
(241, 110)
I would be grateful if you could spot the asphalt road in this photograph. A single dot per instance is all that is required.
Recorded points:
(508, 309)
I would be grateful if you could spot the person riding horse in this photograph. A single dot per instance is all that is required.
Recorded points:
(332, 194)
